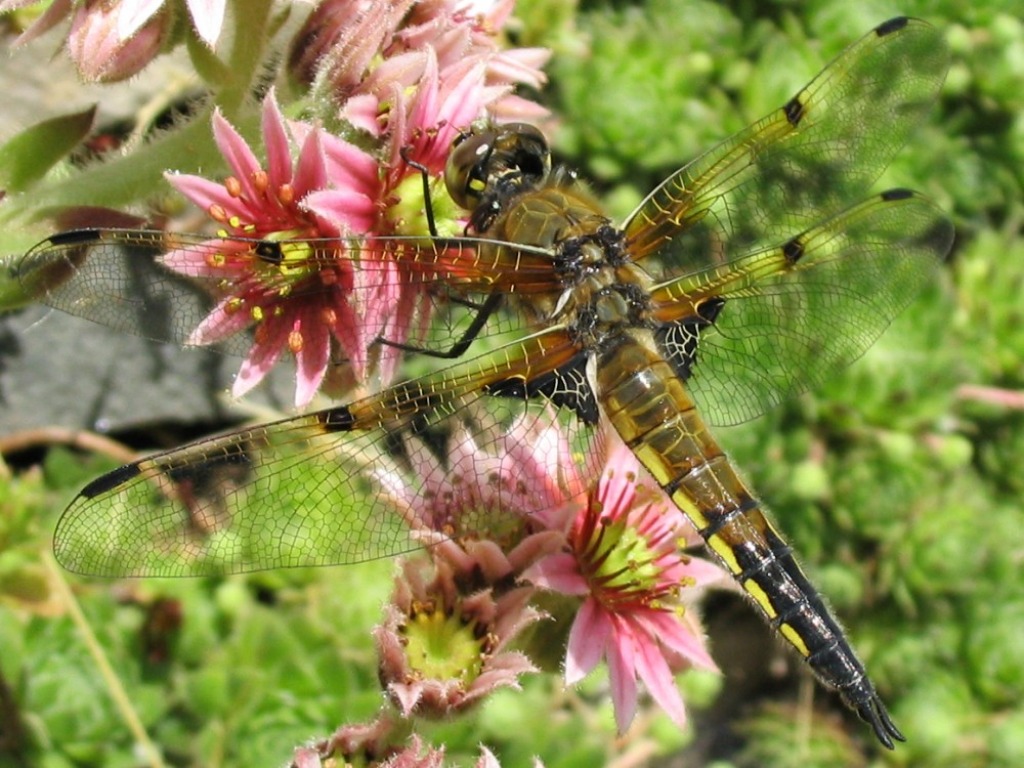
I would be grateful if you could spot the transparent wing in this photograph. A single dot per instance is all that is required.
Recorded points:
(461, 453)
(163, 285)
(800, 164)
(792, 315)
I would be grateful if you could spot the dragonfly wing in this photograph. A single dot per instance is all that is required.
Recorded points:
(786, 318)
(114, 279)
(801, 163)
(468, 451)
(164, 286)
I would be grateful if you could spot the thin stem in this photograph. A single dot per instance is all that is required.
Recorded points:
(117, 692)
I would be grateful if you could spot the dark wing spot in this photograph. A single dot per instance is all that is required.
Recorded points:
(110, 481)
(897, 194)
(793, 250)
(338, 419)
(269, 251)
(794, 111)
(709, 309)
(679, 342)
(566, 387)
(892, 25)
(74, 237)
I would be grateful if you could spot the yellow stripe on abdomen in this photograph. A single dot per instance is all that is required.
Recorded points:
(652, 411)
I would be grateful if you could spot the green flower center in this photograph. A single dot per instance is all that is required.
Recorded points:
(408, 214)
(620, 564)
(442, 647)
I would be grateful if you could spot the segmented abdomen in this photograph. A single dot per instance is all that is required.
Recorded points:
(650, 408)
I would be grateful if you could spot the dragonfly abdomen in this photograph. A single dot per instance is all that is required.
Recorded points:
(653, 413)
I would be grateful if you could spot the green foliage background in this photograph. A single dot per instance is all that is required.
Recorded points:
(901, 489)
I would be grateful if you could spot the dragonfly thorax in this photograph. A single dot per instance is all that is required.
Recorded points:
(607, 313)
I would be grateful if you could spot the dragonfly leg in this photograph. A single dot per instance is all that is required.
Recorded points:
(428, 206)
(485, 310)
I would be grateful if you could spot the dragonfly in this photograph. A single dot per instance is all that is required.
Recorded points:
(747, 276)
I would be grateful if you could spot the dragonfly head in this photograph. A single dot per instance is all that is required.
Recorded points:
(490, 164)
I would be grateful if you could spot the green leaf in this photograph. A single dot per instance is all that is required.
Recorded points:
(27, 157)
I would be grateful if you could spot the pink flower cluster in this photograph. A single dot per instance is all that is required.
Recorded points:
(335, 286)
(110, 40)
(613, 544)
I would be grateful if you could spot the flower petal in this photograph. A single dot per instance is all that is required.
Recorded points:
(310, 169)
(588, 639)
(262, 356)
(558, 572)
(206, 193)
(362, 110)
(349, 167)
(208, 17)
(219, 324)
(237, 152)
(133, 14)
(311, 358)
(622, 675)
(275, 139)
(657, 676)
(674, 633)
(195, 261)
(347, 210)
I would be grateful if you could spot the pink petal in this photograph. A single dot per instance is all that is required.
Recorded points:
(704, 572)
(347, 210)
(261, 358)
(310, 170)
(349, 167)
(347, 331)
(498, 13)
(655, 672)
(208, 17)
(361, 110)
(676, 635)
(514, 107)
(462, 101)
(534, 547)
(410, 302)
(275, 139)
(219, 325)
(588, 640)
(194, 262)
(622, 675)
(402, 71)
(559, 573)
(406, 696)
(521, 65)
(311, 359)
(424, 112)
(133, 14)
(378, 285)
(205, 193)
(238, 154)
(57, 11)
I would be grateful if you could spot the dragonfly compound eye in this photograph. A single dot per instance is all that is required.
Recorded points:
(493, 163)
